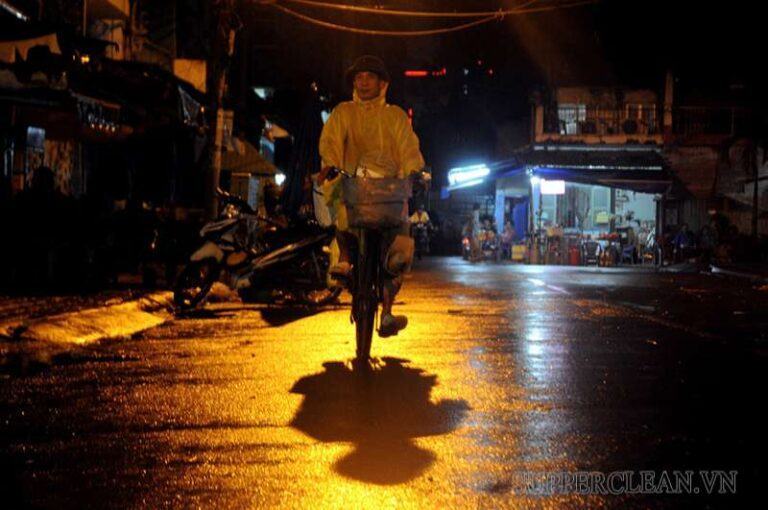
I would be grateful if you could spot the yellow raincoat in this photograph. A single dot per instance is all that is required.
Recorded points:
(372, 136)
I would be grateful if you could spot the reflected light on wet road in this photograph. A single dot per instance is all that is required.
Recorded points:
(246, 407)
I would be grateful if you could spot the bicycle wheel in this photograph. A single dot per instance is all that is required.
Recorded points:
(365, 300)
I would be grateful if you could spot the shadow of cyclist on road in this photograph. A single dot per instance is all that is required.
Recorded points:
(380, 412)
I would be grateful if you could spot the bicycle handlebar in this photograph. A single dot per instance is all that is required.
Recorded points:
(333, 172)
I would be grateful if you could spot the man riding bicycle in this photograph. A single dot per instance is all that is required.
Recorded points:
(367, 137)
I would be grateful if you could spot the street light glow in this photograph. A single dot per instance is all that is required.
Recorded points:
(466, 174)
(467, 184)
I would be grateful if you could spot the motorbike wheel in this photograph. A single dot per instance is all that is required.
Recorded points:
(194, 283)
(365, 300)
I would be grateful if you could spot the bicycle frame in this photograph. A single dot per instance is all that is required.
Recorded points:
(366, 293)
(366, 283)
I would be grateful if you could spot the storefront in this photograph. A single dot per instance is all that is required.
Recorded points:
(578, 204)
(104, 128)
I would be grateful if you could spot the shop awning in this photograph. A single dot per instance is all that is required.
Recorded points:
(246, 159)
(638, 168)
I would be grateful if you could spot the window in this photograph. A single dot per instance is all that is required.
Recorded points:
(570, 117)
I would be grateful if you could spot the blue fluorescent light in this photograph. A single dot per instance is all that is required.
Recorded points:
(464, 174)
(467, 184)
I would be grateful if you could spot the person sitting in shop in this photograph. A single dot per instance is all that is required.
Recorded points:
(507, 238)
(592, 251)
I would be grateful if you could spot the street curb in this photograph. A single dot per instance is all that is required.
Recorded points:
(94, 324)
(739, 274)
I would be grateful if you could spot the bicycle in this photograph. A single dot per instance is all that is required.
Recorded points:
(375, 207)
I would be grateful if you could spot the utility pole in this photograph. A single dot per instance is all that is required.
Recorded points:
(227, 25)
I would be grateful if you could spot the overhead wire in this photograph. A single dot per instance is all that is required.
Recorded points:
(489, 16)
(393, 33)
(417, 14)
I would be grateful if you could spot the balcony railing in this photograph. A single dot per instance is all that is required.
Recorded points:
(644, 120)
(582, 120)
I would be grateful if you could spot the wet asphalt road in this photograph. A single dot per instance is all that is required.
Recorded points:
(503, 370)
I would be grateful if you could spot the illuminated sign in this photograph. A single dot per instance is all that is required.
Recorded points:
(552, 187)
(423, 73)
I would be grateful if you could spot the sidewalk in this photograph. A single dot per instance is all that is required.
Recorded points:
(20, 308)
(755, 272)
(79, 318)
(34, 331)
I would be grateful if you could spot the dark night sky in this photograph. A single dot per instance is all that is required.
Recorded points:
(715, 50)
(612, 42)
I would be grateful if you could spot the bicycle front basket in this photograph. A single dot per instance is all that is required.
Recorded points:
(376, 203)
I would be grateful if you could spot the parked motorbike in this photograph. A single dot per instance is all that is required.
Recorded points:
(266, 260)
